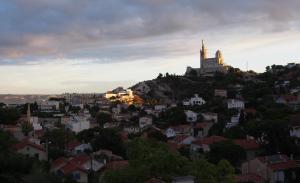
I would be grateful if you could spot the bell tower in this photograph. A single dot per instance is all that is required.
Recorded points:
(203, 54)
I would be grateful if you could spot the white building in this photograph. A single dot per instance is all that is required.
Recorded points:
(78, 123)
(170, 132)
(196, 100)
(191, 116)
(145, 121)
(209, 116)
(49, 105)
(82, 148)
(30, 149)
(235, 104)
(160, 108)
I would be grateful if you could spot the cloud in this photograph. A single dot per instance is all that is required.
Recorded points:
(123, 30)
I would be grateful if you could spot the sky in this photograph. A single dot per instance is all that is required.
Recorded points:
(58, 46)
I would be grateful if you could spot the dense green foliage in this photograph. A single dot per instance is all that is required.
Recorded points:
(9, 115)
(150, 158)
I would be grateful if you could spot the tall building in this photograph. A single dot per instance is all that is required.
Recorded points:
(209, 66)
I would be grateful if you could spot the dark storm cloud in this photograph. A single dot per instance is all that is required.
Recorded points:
(121, 29)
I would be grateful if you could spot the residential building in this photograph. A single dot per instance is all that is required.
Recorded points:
(196, 100)
(30, 149)
(250, 146)
(210, 117)
(78, 167)
(275, 169)
(145, 121)
(221, 93)
(235, 104)
(203, 144)
(191, 116)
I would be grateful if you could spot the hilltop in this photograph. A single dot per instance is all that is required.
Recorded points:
(171, 88)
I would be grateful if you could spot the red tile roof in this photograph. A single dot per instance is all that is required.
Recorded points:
(200, 125)
(180, 138)
(247, 144)
(73, 164)
(58, 162)
(71, 145)
(249, 178)
(280, 162)
(71, 167)
(25, 143)
(181, 128)
(209, 140)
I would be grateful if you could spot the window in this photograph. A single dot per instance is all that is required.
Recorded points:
(36, 155)
(76, 176)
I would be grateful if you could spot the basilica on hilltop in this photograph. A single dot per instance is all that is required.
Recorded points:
(208, 66)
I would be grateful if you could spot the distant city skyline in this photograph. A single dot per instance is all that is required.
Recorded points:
(58, 46)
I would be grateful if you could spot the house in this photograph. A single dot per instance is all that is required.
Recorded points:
(295, 125)
(196, 100)
(292, 101)
(78, 123)
(209, 116)
(30, 149)
(109, 156)
(160, 108)
(234, 120)
(111, 125)
(274, 169)
(172, 131)
(132, 129)
(183, 179)
(242, 178)
(49, 105)
(82, 148)
(71, 146)
(191, 116)
(78, 167)
(184, 139)
(145, 121)
(250, 146)
(115, 165)
(221, 93)
(201, 129)
(204, 143)
(235, 104)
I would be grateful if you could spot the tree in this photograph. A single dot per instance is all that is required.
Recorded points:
(103, 117)
(58, 138)
(236, 132)
(226, 150)
(173, 116)
(208, 172)
(271, 134)
(159, 76)
(9, 115)
(26, 128)
(157, 135)
(108, 139)
(155, 159)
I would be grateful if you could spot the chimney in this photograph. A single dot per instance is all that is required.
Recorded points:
(292, 157)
